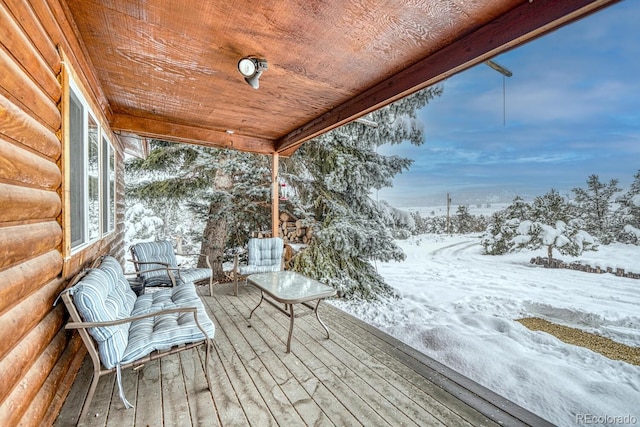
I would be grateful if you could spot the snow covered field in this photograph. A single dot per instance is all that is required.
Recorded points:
(458, 307)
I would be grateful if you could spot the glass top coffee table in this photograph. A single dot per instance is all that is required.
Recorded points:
(291, 289)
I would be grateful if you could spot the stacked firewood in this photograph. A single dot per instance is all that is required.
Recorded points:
(294, 230)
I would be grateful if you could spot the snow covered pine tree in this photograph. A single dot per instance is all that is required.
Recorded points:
(333, 177)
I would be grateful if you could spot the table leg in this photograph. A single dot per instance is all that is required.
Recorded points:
(291, 319)
(320, 320)
(261, 298)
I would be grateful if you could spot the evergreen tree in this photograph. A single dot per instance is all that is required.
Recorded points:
(502, 228)
(227, 191)
(627, 216)
(333, 176)
(420, 223)
(463, 220)
(480, 223)
(594, 204)
(498, 236)
(567, 238)
(518, 209)
(551, 208)
(553, 225)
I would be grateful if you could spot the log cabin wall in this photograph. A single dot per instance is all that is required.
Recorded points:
(39, 359)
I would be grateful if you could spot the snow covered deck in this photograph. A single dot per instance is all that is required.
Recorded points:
(361, 376)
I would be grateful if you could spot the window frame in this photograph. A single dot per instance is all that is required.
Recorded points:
(98, 192)
(108, 185)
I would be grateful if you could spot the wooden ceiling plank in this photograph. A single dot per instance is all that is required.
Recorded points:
(523, 23)
(167, 131)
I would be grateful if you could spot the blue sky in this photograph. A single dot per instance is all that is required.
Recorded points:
(572, 110)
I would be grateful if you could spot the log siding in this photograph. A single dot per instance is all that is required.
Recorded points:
(39, 360)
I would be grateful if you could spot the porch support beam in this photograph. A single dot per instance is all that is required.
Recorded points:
(275, 195)
(168, 131)
(525, 22)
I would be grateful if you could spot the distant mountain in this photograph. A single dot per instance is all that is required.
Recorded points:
(467, 196)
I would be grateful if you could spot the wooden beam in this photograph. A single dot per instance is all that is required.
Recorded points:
(524, 23)
(275, 196)
(168, 131)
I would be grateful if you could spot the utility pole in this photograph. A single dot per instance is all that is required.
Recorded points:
(448, 208)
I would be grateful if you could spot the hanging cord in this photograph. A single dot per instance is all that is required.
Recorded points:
(505, 73)
(504, 100)
(120, 388)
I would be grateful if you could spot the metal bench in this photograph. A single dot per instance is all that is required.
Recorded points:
(122, 330)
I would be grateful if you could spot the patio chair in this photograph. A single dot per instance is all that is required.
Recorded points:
(265, 255)
(157, 265)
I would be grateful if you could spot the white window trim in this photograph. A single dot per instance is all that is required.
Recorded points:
(103, 137)
(106, 199)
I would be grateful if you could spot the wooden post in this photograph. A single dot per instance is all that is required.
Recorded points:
(275, 196)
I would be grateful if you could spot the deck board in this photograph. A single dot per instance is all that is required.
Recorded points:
(346, 376)
(302, 373)
(360, 376)
(266, 379)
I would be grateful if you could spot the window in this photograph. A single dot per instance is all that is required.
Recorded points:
(108, 186)
(76, 158)
(92, 174)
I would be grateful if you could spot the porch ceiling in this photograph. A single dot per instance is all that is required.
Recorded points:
(169, 68)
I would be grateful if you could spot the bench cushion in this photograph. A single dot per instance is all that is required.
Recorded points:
(104, 295)
(195, 274)
(253, 269)
(265, 253)
(161, 299)
(166, 331)
(161, 251)
(98, 298)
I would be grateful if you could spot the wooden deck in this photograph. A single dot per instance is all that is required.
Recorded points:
(360, 376)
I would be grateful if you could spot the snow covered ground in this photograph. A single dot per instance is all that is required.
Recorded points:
(458, 307)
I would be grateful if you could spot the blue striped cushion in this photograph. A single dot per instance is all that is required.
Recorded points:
(105, 295)
(195, 274)
(154, 251)
(253, 269)
(266, 252)
(112, 267)
(165, 298)
(166, 331)
(98, 300)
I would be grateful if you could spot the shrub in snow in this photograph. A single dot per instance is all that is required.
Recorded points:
(401, 223)
(631, 234)
(463, 221)
(594, 207)
(547, 223)
(566, 238)
(498, 237)
(627, 216)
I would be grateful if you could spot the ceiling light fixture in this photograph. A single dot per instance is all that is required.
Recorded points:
(252, 68)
